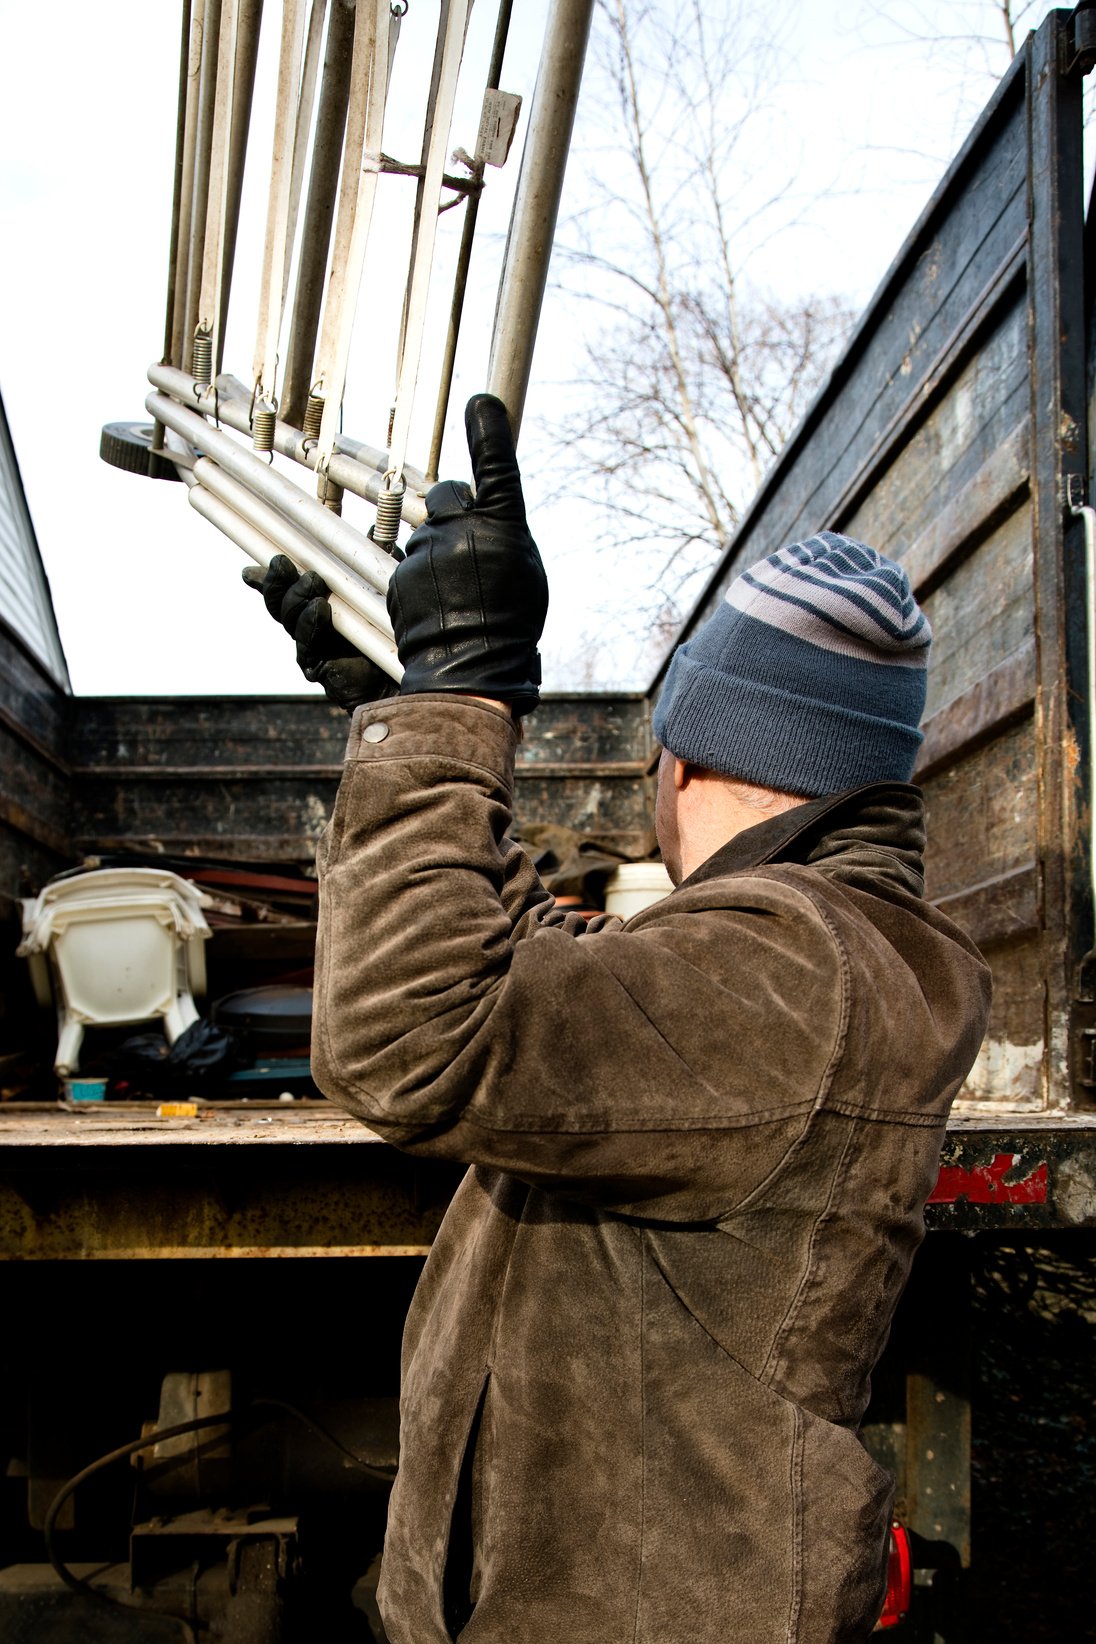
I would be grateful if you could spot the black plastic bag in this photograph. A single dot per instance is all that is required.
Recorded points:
(202, 1053)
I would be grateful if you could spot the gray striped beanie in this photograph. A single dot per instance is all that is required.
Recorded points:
(810, 678)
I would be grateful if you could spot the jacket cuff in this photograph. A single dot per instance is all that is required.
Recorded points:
(432, 725)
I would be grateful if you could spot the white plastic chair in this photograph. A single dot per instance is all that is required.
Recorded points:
(116, 946)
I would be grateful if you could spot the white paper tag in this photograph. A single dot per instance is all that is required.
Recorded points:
(498, 123)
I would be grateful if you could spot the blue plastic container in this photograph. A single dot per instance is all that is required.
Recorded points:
(85, 1090)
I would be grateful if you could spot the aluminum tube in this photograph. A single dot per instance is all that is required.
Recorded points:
(310, 516)
(303, 127)
(301, 549)
(199, 199)
(177, 351)
(427, 133)
(276, 244)
(456, 20)
(247, 56)
(357, 467)
(319, 211)
(346, 621)
(177, 192)
(209, 299)
(357, 193)
(464, 259)
(536, 204)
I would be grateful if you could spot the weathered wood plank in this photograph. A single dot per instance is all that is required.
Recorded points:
(996, 489)
(994, 702)
(305, 732)
(1058, 411)
(948, 451)
(999, 909)
(982, 814)
(621, 809)
(254, 779)
(1004, 290)
(34, 799)
(982, 613)
(238, 819)
(587, 729)
(1010, 1071)
(208, 732)
(31, 702)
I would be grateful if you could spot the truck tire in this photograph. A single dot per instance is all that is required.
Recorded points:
(128, 445)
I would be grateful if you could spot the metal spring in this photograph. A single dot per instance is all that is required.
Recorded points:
(201, 357)
(262, 426)
(389, 507)
(313, 416)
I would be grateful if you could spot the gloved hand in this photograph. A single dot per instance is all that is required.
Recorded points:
(300, 603)
(468, 601)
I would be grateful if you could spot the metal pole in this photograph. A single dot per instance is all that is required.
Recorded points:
(176, 204)
(357, 192)
(464, 259)
(247, 55)
(536, 204)
(276, 249)
(209, 299)
(305, 103)
(177, 195)
(427, 133)
(177, 350)
(199, 199)
(319, 211)
(456, 19)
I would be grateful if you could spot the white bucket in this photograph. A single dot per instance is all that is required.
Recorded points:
(635, 886)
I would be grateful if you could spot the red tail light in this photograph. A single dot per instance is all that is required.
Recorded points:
(899, 1580)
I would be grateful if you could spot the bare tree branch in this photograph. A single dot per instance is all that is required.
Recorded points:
(693, 381)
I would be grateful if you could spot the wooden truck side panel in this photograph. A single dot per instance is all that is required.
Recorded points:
(945, 438)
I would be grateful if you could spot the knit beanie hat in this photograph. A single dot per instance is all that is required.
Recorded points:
(810, 678)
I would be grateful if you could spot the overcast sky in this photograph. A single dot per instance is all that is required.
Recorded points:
(147, 594)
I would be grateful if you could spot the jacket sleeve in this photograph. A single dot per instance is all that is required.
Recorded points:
(458, 1020)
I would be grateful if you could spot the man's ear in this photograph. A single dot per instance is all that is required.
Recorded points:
(682, 773)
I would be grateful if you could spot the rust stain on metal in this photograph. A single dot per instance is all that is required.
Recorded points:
(247, 1208)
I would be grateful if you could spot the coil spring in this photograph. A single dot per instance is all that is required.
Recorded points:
(389, 507)
(201, 357)
(262, 426)
(313, 416)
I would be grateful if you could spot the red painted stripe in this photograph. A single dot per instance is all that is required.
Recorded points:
(986, 1184)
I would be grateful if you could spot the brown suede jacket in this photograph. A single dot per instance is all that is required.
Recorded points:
(638, 1356)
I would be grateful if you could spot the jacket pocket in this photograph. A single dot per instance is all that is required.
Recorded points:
(461, 1572)
(425, 1591)
(843, 1510)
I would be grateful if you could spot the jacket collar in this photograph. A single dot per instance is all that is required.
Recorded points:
(871, 835)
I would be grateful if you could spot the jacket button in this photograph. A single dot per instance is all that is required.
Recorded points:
(375, 732)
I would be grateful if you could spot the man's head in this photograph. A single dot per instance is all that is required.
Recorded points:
(809, 679)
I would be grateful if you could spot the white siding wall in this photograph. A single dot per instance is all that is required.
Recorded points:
(25, 603)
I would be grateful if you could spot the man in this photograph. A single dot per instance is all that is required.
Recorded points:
(700, 1143)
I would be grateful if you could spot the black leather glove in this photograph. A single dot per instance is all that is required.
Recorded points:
(469, 600)
(300, 603)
